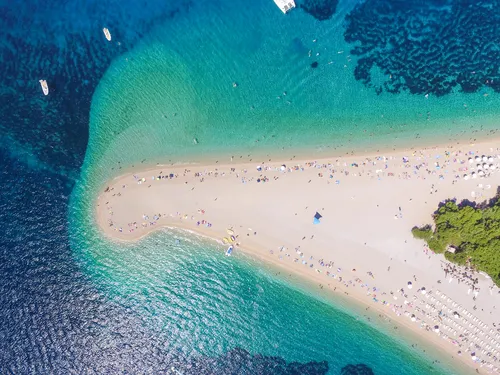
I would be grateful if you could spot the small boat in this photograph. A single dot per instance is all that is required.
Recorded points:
(285, 5)
(229, 250)
(107, 34)
(45, 87)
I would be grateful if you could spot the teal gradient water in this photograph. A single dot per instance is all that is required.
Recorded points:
(177, 86)
(172, 99)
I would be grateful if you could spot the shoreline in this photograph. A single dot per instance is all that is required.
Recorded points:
(289, 153)
(376, 317)
(266, 246)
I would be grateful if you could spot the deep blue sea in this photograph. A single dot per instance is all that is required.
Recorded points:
(70, 303)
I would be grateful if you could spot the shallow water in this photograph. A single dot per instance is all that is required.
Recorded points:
(203, 304)
(173, 96)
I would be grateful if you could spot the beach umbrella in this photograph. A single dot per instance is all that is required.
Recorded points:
(478, 158)
(490, 159)
(410, 285)
(485, 158)
(436, 329)
(413, 319)
(481, 173)
(471, 160)
(474, 174)
(283, 167)
(423, 291)
(486, 166)
(456, 315)
(473, 356)
(479, 166)
(492, 167)
(259, 168)
(466, 176)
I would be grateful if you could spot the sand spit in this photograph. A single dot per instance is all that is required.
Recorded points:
(362, 246)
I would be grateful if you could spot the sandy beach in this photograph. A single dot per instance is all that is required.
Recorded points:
(362, 246)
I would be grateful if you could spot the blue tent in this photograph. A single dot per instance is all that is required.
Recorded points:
(316, 218)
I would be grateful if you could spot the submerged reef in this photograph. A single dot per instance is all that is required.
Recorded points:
(240, 361)
(429, 47)
(322, 10)
(360, 369)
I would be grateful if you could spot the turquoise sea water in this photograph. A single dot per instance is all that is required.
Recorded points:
(176, 86)
(172, 98)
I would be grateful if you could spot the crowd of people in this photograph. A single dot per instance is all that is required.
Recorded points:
(427, 309)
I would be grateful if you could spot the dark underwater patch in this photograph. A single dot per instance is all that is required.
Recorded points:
(322, 10)
(360, 369)
(240, 361)
(427, 48)
(314, 65)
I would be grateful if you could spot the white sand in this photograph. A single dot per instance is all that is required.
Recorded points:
(366, 223)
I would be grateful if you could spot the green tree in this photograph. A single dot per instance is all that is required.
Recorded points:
(473, 230)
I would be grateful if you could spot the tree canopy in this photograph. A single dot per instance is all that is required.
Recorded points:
(473, 230)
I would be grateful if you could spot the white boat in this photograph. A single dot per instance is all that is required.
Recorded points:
(285, 5)
(229, 250)
(107, 34)
(45, 87)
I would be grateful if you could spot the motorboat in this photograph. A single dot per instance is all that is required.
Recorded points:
(229, 251)
(107, 34)
(285, 5)
(45, 87)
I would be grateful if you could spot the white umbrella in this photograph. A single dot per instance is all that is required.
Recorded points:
(410, 285)
(413, 319)
(423, 291)
(436, 328)
(471, 160)
(485, 158)
(283, 167)
(478, 158)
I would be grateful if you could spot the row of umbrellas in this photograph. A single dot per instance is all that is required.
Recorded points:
(481, 158)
